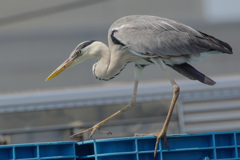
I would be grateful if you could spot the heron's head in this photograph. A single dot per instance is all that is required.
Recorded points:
(79, 54)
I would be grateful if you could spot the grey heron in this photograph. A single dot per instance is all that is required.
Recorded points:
(146, 40)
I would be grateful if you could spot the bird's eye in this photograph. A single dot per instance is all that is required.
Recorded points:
(78, 51)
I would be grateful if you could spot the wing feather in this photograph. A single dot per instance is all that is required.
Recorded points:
(155, 36)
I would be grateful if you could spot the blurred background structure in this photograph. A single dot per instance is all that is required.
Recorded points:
(36, 36)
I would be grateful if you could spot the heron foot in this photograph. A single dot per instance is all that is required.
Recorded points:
(158, 135)
(92, 130)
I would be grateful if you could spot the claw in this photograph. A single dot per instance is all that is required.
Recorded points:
(158, 135)
(156, 146)
(79, 134)
(92, 129)
(165, 142)
(105, 132)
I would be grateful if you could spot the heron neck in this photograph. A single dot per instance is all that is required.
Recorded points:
(109, 63)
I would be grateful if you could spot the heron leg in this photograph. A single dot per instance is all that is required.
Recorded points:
(176, 91)
(129, 106)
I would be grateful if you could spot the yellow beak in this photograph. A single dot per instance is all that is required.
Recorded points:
(61, 68)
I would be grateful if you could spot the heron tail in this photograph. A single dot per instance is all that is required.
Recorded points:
(193, 74)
